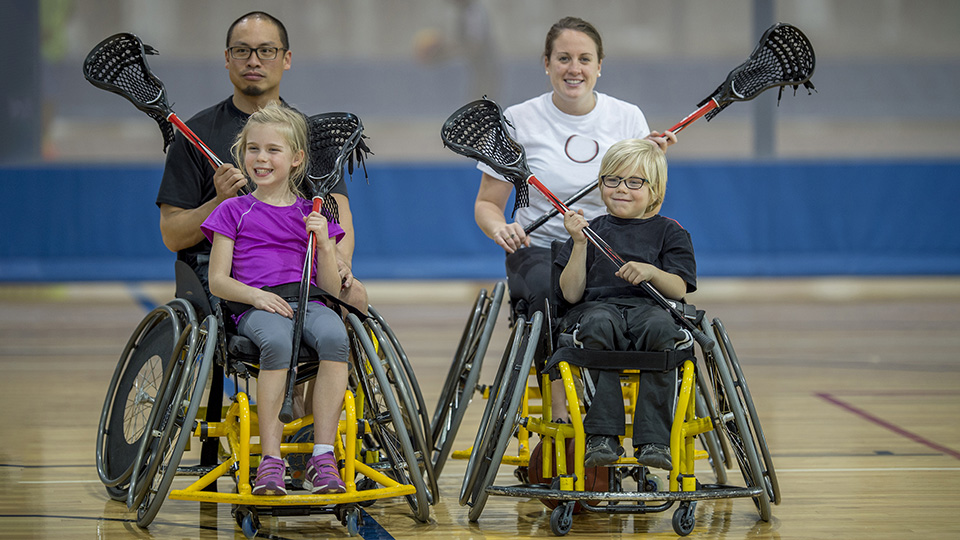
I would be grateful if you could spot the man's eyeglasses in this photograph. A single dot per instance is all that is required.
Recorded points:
(263, 53)
(633, 182)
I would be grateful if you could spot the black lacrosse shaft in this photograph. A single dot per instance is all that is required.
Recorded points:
(286, 410)
(546, 217)
(705, 342)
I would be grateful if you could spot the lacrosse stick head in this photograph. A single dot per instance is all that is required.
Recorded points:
(478, 131)
(784, 57)
(118, 64)
(336, 139)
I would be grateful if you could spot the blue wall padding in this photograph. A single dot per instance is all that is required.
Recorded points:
(416, 221)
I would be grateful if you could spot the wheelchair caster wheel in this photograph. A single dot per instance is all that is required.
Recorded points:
(248, 521)
(684, 519)
(653, 483)
(561, 519)
(363, 485)
(352, 520)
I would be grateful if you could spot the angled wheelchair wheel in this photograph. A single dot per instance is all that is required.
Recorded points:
(176, 425)
(710, 439)
(740, 383)
(148, 447)
(407, 371)
(134, 388)
(385, 419)
(464, 374)
(506, 417)
(732, 418)
(399, 379)
(494, 403)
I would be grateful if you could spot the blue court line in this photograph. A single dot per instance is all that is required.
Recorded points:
(138, 294)
(371, 530)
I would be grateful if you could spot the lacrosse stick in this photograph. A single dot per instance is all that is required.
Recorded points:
(479, 131)
(784, 57)
(118, 64)
(335, 139)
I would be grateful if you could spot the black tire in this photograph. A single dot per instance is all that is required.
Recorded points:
(506, 417)
(407, 369)
(510, 353)
(380, 412)
(732, 418)
(684, 519)
(177, 424)
(399, 379)
(148, 448)
(134, 388)
(740, 383)
(710, 440)
(464, 374)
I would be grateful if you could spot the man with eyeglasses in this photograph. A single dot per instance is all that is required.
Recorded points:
(257, 54)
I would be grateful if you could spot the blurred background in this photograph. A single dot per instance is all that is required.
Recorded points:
(859, 178)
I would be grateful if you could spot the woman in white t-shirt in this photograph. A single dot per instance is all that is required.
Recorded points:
(565, 132)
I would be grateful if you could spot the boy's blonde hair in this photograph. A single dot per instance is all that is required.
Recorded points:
(291, 125)
(641, 157)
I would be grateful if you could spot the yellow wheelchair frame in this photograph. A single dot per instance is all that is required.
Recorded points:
(700, 413)
(380, 436)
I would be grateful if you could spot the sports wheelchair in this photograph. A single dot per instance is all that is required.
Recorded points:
(150, 415)
(714, 406)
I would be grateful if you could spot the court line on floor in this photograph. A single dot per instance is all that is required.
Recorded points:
(830, 398)
(869, 469)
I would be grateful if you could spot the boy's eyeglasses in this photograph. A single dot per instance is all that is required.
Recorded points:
(263, 53)
(633, 182)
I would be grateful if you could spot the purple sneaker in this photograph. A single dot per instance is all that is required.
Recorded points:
(322, 475)
(270, 477)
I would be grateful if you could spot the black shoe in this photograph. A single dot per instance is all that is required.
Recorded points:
(602, 450)
(654, 455)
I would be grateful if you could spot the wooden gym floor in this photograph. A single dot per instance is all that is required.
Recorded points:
(855, 380)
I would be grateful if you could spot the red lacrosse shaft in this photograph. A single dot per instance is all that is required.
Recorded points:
(692, 117)
(192, 137)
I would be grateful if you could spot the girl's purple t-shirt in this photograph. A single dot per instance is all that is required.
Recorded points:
(270, 242)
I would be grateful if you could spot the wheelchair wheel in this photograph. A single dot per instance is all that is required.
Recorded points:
(399, 379)
(176, 424)
(134, 388)
(733, 419)
(494, 400)
(404, 362)
(503, 424)
(710, 440)
(149, 444)
(740, 383)
(464, 374)
(380, 412)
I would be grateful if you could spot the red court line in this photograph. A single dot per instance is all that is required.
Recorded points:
(892, 427)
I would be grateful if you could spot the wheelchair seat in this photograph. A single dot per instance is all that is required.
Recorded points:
(242, 354)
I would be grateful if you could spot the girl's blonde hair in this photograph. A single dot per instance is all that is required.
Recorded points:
(291, 125)
(638, 157)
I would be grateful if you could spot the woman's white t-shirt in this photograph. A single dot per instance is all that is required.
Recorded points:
(564, 153)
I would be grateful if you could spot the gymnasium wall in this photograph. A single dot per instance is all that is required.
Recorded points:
(416, 221)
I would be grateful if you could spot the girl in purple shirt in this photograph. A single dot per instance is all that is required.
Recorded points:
(260, 240)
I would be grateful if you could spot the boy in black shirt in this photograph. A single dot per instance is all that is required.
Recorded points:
(611, 313)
